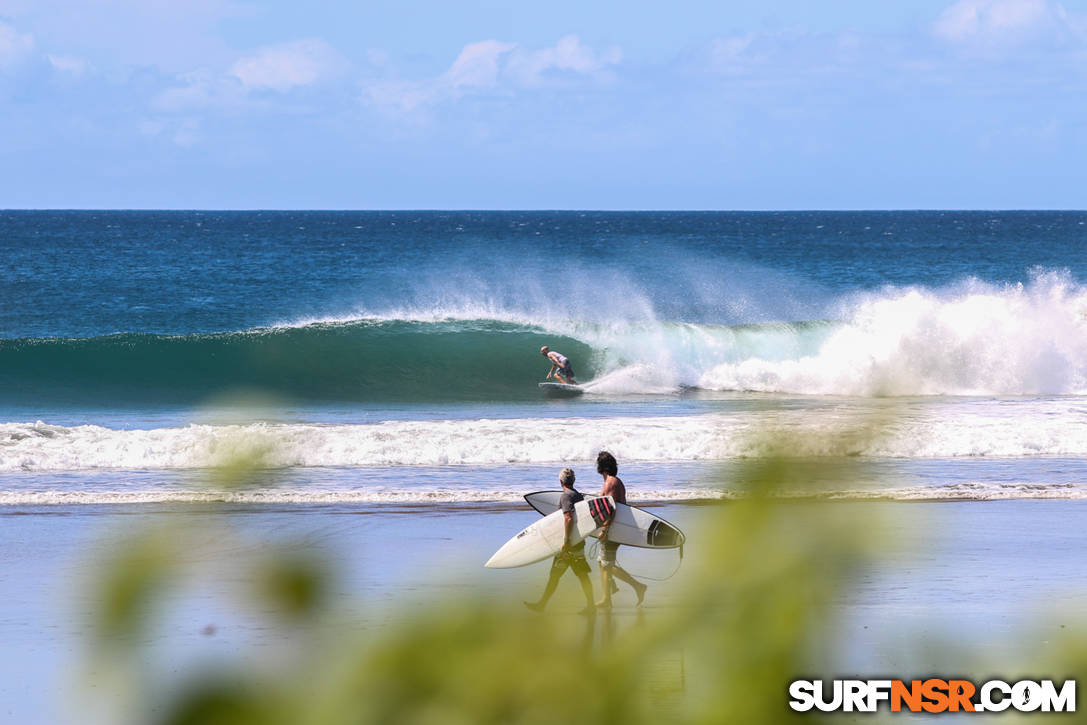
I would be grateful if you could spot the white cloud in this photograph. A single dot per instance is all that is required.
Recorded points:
(172, 36)
(404, 96)
(477, 65)
(568, 56)
(287, 66)
(201, 90)
(69, 64)
(182, 131)
(15, 47)
(281, 68)
(731, 55)
(992, 22)
(492, 65)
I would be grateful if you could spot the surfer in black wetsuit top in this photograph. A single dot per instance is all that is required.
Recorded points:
(560, 366)
(569, 557)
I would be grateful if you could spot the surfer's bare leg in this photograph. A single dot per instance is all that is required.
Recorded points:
(605, 583)
(607, 570)
(639, 589)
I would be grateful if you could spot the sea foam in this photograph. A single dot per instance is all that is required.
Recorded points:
(953, 429)
(978, 340)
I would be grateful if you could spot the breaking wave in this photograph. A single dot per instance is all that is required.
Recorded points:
(973, 339)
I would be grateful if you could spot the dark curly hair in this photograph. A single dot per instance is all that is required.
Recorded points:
(605, 463)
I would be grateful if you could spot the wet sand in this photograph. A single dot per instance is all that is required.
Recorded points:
(1006, 576)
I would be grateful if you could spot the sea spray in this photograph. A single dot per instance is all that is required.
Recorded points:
(970, 339)
(976, 339)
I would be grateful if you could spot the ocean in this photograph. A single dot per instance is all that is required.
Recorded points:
(393, 357)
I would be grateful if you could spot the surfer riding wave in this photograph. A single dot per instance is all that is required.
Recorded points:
(561, 368)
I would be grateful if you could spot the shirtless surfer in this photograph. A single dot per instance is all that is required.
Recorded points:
(614, 487)
(560, 366)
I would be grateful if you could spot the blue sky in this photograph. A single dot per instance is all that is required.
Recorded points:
(781, 104)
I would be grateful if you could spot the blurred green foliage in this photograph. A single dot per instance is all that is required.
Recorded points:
(755, 614)
(140, 568)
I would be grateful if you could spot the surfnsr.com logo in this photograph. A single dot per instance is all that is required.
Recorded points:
(932, 695)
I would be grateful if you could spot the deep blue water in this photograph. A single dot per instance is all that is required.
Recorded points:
(92, 273)
(355, 339)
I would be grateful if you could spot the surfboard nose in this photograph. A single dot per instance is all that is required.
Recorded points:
(501, 558)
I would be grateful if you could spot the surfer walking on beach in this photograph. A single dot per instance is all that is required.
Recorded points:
(607, 467)
(560, 366)
(569, 557)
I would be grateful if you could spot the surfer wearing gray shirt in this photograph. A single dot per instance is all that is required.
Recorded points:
(569, 557)
(607, 467)
(560, 366)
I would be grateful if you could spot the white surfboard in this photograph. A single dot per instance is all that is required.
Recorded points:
(543, 539)
(632, 526)
(561, 390)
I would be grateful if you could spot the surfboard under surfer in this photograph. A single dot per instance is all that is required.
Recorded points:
(560, 366)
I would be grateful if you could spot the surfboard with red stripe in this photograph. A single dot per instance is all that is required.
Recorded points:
(632, 526)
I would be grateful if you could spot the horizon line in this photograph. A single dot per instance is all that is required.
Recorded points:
(542, 210)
